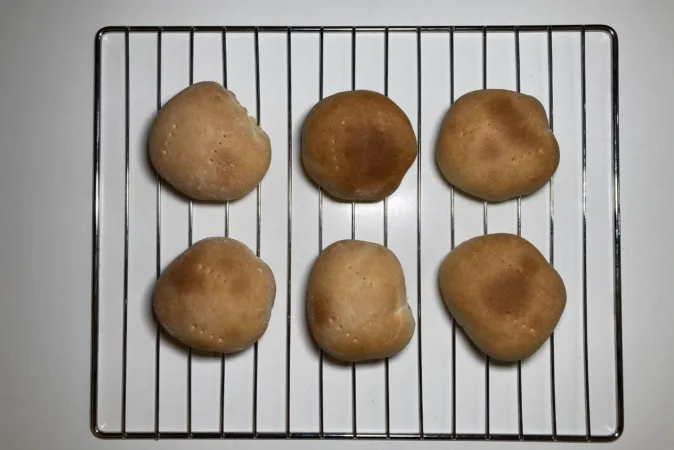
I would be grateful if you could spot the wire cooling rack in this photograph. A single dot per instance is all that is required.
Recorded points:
(144, 385)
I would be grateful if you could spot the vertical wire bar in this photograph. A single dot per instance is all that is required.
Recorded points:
(320, 241)
(420, 359)
(95, 260)
(126, 229)
(553, 396)
(353, 88)
(190, 220)
(222, 357)
(290, 224)
(520, 421)
(158, 256)
(387, 402)
(617, 283)
(485, 231)
(588, 430)
(259, 219)
(452, 242)
(353, 236)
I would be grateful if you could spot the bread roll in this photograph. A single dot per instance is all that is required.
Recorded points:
(356, 303)
(216, 296)
(497, 144)
(204, 144)
(504, 294)
(358, 145)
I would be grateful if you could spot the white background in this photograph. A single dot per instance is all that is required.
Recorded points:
(46, 93)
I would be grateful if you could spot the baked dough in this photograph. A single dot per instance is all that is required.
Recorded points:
(204, 144)
(356, 303)
(216, 296)
(496, 145)
(358, 145)
(504, 294)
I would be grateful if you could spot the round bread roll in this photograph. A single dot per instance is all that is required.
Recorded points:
(504, 294)
(358, 145)
(216, 296)
(204, 144)
(497, 144)
(356, 303)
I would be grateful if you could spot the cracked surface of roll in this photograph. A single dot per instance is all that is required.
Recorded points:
(216, 296)
(356, 302)
(503, 293)
(358, 145)
(204, 144)
(497, 144)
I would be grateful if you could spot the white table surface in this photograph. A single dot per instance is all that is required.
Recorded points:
(46, 93)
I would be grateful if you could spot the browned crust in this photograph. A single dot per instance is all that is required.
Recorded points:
(358, 145)
(356, 303)
(216, 296)
(497, 144)
(203, 143)
(504, 294)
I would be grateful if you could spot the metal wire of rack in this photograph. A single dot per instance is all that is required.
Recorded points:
(389, 432)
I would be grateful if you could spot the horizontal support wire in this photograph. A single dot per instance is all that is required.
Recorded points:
(349, 436)
(365, 29)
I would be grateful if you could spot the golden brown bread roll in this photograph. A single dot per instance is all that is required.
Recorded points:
(356, 302)
(504, 294)
(497, 144)
(216, 296)
(358, 145)
(204, 144)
